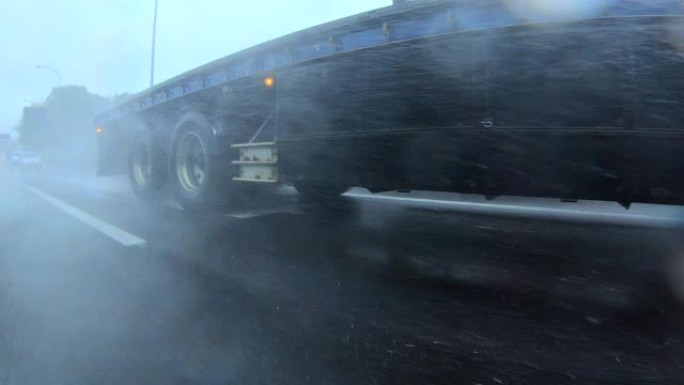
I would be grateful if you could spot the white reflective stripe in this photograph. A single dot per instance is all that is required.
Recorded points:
(287, 209)
(125, 238)
(608, 213)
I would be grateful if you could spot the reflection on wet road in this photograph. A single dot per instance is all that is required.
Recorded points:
(367, 291)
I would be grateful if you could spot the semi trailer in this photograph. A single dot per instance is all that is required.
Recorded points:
(475, 96)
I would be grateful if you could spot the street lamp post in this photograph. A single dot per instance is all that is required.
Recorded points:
(154, 38)
(59, 77)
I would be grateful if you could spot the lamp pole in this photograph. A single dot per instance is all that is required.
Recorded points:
(59, 77)
(154, 38)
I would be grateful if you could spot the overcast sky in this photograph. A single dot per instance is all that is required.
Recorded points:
(104, 45)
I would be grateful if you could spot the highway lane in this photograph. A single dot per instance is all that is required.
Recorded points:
(68, 297)
(366, 292)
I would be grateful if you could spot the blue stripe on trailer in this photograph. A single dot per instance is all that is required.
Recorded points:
(408, 21)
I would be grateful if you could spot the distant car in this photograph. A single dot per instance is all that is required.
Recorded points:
(15, 158)
(30, 160)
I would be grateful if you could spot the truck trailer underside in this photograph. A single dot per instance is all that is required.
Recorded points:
(588, 109)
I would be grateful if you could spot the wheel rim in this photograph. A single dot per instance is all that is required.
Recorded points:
(190, 163)
(142, 167)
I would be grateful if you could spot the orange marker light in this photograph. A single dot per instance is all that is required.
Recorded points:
(98, 130)
(269, 82)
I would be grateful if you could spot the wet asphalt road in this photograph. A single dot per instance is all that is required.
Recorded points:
(366, 292)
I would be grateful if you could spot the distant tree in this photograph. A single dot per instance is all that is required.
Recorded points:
(67, 116)
(71, 111)
(62, 128)
(33, 128)
(120, 98)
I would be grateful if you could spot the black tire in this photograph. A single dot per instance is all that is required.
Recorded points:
(146, 167)
(199, 181)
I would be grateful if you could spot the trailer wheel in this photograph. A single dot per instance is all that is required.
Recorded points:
(146, 171)
(195, 172)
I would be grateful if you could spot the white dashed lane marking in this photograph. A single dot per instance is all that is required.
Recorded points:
(123, 237)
